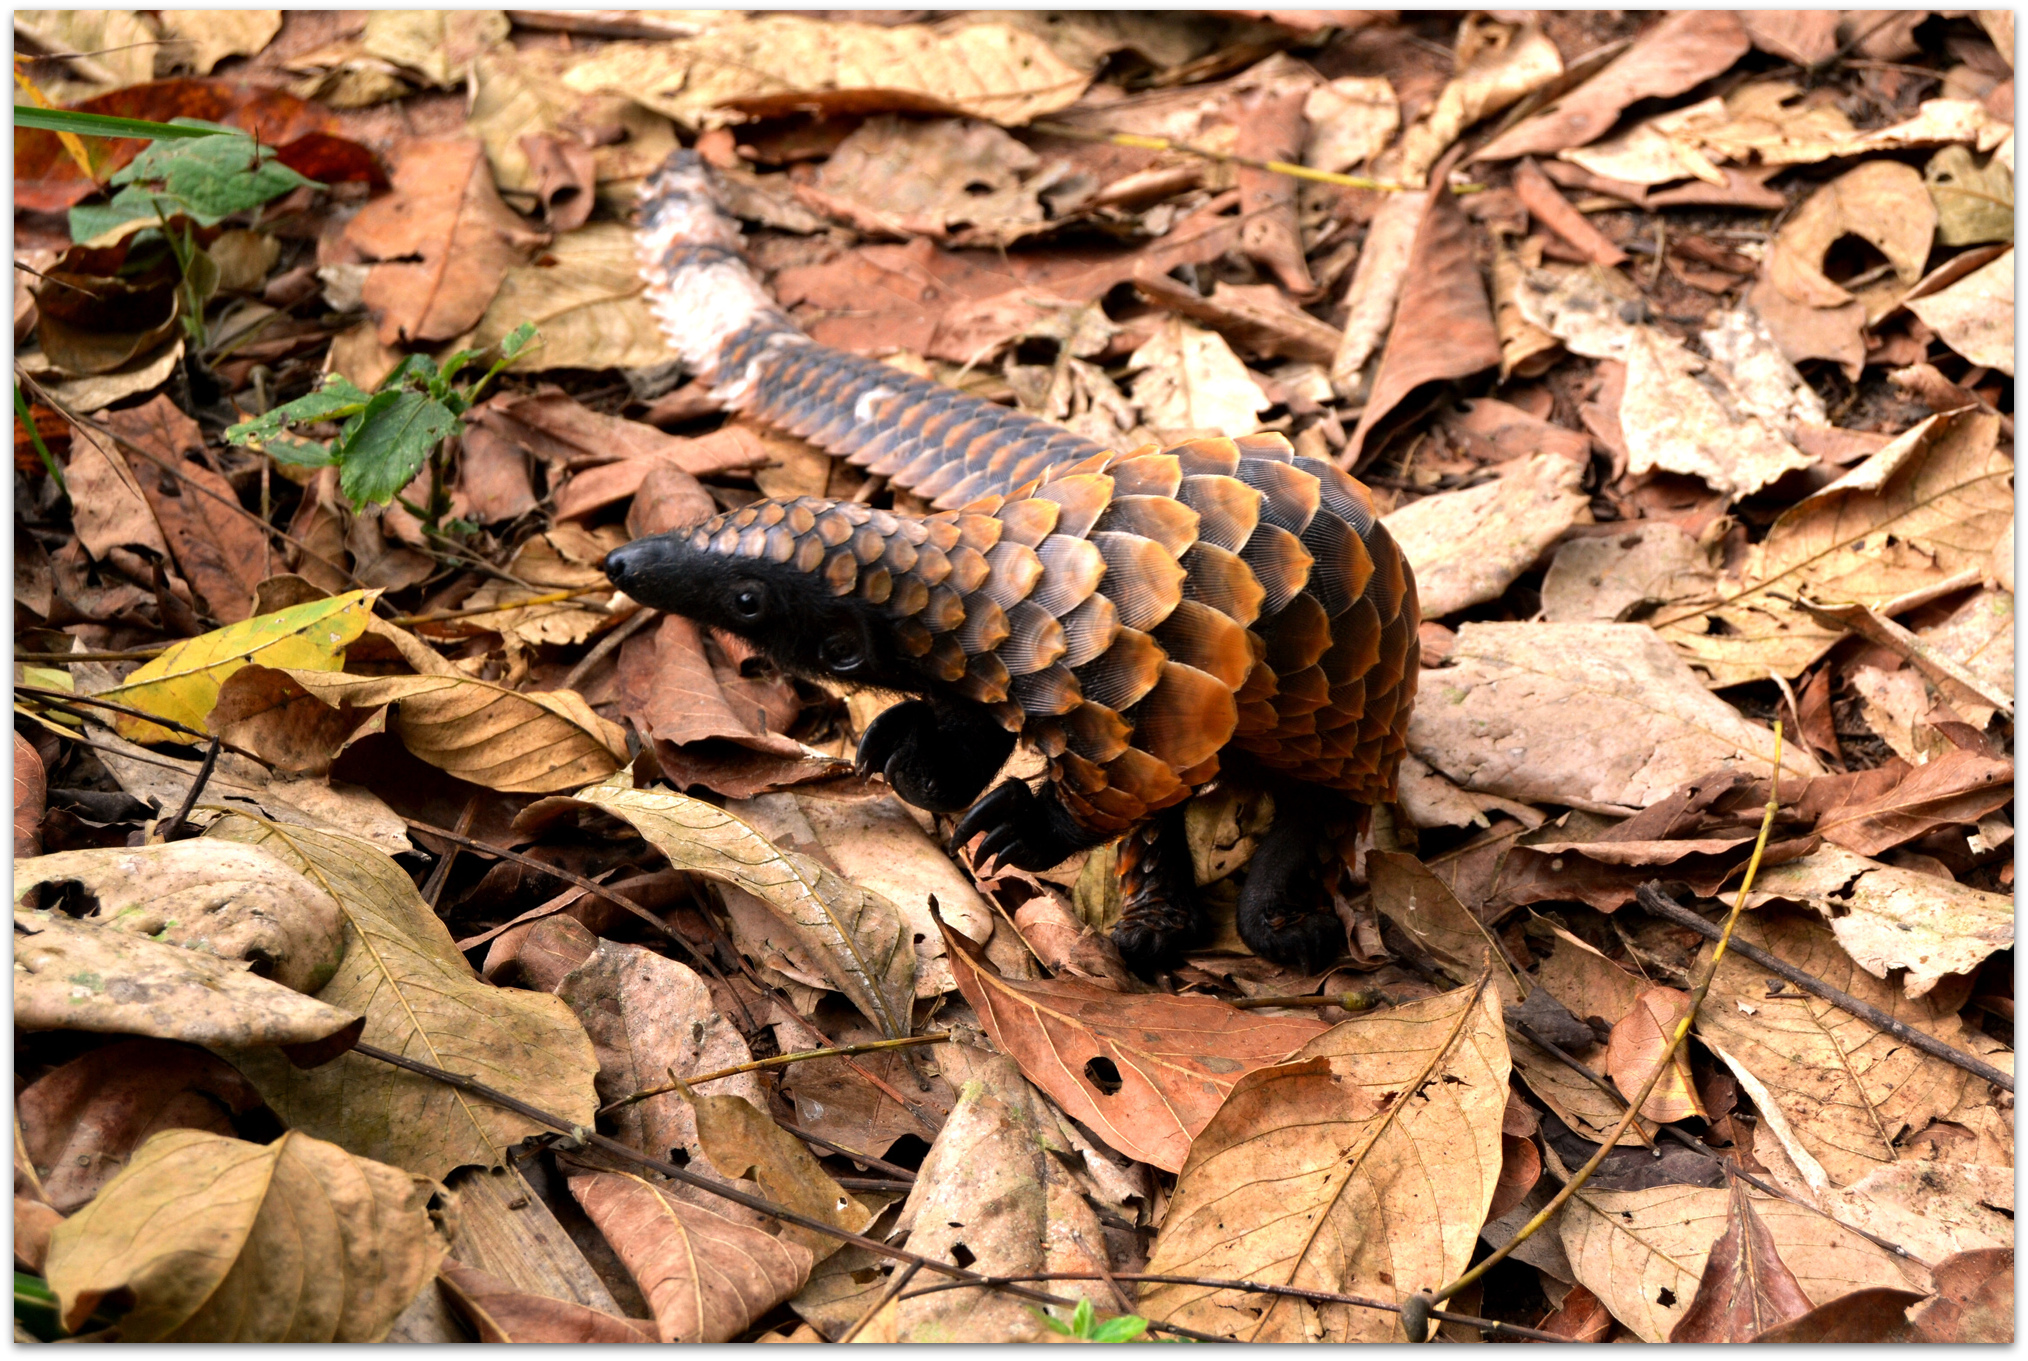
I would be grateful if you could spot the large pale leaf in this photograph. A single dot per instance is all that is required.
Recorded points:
(782, 62)
(182, 683)
(1975, 315)
(1643, 1252)
(1928, 505)
(1468, 546)
(1365, 1163)
(1836, 1091)
(1191, 381)
(219, 1240)
(232, 902)
(856, 936)
(705, 1277)
(72, 975)
(1596, 716)
(587, 305)
(1143, 1071)
(509, 740)
(1747, 1288)
(421, 999)
(1890, 918)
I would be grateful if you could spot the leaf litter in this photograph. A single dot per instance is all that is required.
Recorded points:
(1685, 382)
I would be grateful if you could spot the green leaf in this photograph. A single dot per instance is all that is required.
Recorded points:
(299, 453)
(512, 344)
(104, 125)
(338, 398)
(214, 178)
(384, 446)
(412, 366)
(90, 221)
(1125, 1328)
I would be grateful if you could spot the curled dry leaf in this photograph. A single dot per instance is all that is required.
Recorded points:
(1746, 1288)
(182, 684)
(1499, 64)
(706, 1278)
(1351, 120)
(1365, 1163)
(1643, 1252)
(218, 1240)
(1878, 1314)
(1974, 1300)
(1376, 286)
(1683, 50)
(1443, 328)
(1869, 811)
(1192, 383)
(420, 998)
(875, 844)
(1468, 546)
(1835, 1091)
(564, 559)
(201, 38)
(1975, 315)
(519, 93)
(80, 1122)
(1931, 503)
(1881, 201)
(782, 62)
(1144, 1072)
(1598, 716)
(1890, 918)
(509, 740)
(1636, 1051)
(71, 975)
(498, 1312)
(442, 242)
(231, 902)
(31, 788)
(857, 937)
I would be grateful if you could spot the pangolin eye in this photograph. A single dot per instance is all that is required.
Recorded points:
(748, 601)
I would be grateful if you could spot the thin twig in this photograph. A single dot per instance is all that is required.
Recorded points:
(895, 1170)
(778, 1061)
(167, 831)
(138, 654)
(550, 598)
(895, 1286)
(724, 1192)
(1350, 1001)
(1650, 896)
(1415, 1314)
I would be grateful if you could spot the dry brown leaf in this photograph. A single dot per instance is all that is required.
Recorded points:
(1870, 811)
(114, 47)
(1881, 201)
(566, 558)
(82, 1121)
(875, 844)
(1607, 578)
(519, 93)
(1975, 315)
(1143, 1072)
(108, 508)
(218, 1240)
(438, 45)
(1468, 546)
(1643, 1252)
(31, 787)
(1376, 286)
(1192, 383)
(1974, 1300)
(1598, 716)
(1498, 65)
(1804, 36)
(1933, 1209)
(782, 62)
(1746, 1288)
(855, 936)
(1365, 1163)
(586, 301)
(1974, 201)
(1890, 918)
(420, 997)
(1443, 327)
(1878, 1314)
(201, 38)
(1635, 1051)
(498, 1312)
(1683, 50)
(230, 902)
(742, 1141)
(71, 975)
(933, 177)
(1835, 1091)
(706, 1278)
(650, 1017)
(510, 740)
(1257, 318)
(1979, 636)
(443, 242)
(1928, 505)
(1351, 120)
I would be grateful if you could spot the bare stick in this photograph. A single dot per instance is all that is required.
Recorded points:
(168, 830)
(778, 1061)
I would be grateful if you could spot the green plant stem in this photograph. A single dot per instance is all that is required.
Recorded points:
(105, 125)
(35, 437)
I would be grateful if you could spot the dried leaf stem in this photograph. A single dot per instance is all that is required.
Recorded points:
(1650, 896)
(1416, 1311)
(61, 700)
(724, 1192)
(778, 1061)
(1350, 1001)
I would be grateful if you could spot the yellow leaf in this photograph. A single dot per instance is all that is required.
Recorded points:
(182, 684)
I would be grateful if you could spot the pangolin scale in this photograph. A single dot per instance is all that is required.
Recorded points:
(1150, 620)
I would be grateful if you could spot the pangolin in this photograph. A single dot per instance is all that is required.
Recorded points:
(1150, 620)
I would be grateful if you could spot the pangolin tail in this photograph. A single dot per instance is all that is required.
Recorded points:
(923, 437)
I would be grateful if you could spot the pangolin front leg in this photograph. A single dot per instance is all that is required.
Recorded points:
(1024, 829)
(937, 757)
